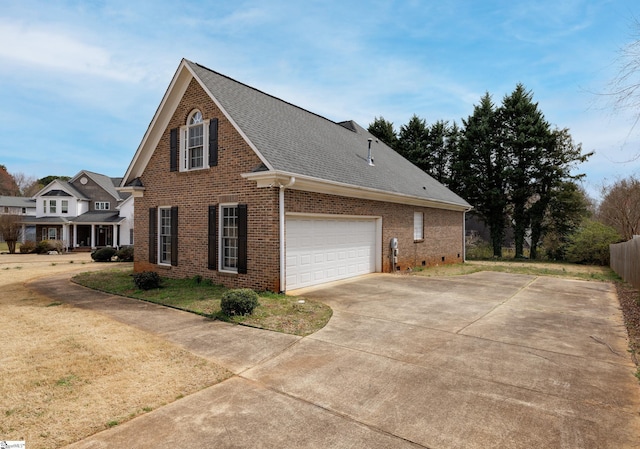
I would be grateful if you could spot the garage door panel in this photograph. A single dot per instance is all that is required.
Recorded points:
(322, 250)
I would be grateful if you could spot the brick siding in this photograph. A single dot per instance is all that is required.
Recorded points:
(442, 241)
(194, 191)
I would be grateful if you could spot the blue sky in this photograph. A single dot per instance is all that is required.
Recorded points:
(81, 80)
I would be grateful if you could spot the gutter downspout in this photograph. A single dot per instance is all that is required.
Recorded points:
(464, 236)
(283, 273)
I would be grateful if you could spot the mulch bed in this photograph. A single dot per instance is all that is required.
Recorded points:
(630, 302)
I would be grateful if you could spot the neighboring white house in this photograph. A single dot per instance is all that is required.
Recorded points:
(84, 212)
(17, 205)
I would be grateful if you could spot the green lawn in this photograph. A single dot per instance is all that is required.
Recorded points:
(281, 313)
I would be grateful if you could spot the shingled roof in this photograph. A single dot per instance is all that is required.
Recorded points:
(294, 141)
(297, 141)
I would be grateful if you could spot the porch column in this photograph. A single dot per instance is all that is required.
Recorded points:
(23, 233)
(65, 236)
(93, 236)
(114, 235)
(75, 235)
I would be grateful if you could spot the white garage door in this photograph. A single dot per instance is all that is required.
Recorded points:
(327, 249)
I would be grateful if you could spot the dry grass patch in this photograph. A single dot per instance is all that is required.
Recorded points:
(533, 268)
(67, 373)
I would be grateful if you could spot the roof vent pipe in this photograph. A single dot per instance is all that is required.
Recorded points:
(369, 158)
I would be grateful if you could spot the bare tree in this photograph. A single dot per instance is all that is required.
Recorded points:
(625, 88)
(620, 207)
(28, 185)
(11, 230)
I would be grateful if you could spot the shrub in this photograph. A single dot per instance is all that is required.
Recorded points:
(125, 254)
(146, 280)
(103, 254)
(240, 301)
(28, 247)
(480, 250)
(44, 246)
(590, 243)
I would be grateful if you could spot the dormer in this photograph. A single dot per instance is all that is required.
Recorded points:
(60, 199)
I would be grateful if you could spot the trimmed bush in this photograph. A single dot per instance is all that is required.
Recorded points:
(240, 301)
(44, 246)
(103, 254)
(125, 254)
(28, 247)
(146, 280)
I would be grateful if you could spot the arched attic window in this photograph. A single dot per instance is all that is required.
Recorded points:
(198, 143)
(194, 133)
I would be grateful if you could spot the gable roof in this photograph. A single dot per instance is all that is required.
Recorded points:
(63, 186)
(105, 182)
(294, 142)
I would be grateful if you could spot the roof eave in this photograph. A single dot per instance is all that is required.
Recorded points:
(274, 178)
(135, 191)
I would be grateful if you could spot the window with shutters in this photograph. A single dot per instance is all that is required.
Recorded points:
(164, 235)
(194, 143)
(232, 238)
(194, 146)
(229, 237)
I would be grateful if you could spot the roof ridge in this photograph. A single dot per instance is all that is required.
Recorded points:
(269, 95)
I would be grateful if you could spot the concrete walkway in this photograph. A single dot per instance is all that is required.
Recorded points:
(488, 360)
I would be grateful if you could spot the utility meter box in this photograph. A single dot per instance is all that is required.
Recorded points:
(393, 244)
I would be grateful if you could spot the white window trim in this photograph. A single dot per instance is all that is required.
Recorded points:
(62, 206)
(53, 207)
(184, 139)
(222, 268)
(418, 226)
(159, 228)
(104, 205)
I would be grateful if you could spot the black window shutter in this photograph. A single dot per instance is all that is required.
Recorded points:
(213, 142)
(174, 236)
(242, 238)
(173, 154)
(153, 235)
(213, 238)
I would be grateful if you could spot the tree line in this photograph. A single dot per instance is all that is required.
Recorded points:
(20, 184)
(510, 163)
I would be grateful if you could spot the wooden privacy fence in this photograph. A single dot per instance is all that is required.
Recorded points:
(625, 260)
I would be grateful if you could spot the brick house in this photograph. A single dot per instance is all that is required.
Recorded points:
(247, 190)
(85, 212)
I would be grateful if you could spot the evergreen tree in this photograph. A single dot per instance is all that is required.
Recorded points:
(384, 131)
(480, 169)
(412, 142)
(442, 141)
(568, 207)
(526, 139)
(553, 184)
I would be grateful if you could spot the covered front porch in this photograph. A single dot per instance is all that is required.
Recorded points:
(86, 232)
(95, 230)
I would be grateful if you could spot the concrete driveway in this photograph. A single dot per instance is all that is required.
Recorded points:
(488, 360)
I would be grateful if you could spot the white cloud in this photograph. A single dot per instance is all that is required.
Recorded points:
(48, 48)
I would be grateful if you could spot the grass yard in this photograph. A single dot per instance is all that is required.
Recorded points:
(67, 373)
(280, 313)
